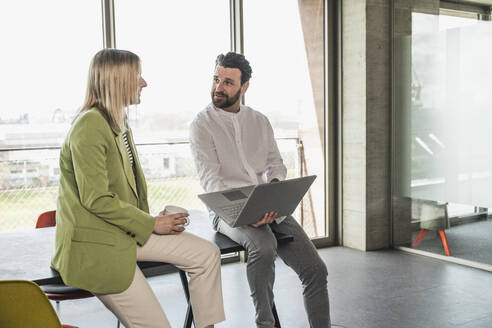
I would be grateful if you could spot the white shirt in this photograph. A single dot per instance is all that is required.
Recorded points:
(234, 149)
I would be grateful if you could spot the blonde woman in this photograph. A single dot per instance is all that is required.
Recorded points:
(103, 220)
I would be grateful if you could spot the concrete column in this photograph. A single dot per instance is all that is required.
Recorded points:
(366, 59)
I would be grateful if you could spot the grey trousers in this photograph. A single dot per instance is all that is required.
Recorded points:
(300, 255)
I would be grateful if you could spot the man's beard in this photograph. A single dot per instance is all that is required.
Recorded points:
(226, 101)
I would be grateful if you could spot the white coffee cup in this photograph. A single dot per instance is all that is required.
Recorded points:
(172, 209)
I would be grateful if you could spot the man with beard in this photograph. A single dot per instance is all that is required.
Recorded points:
(234, 146)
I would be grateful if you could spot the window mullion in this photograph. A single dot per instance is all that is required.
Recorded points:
(109, 39)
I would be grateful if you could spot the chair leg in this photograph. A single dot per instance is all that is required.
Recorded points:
(444, 240)
(275, 316)
(57, 307)
(419, 237)
(189, 313)
(189, 317)
(118, 324)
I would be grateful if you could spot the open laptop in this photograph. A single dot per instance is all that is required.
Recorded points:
(247, 205)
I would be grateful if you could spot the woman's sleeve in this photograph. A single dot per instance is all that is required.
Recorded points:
(89, 148)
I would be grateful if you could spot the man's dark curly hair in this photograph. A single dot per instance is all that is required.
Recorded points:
(234, 60)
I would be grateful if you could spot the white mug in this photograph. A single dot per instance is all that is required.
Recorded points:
(172, 209)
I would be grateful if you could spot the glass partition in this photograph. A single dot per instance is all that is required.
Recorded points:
(442, 158)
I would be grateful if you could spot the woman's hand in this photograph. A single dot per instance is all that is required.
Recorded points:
(170, 224)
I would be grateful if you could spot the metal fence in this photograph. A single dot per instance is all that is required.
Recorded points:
(29, 179)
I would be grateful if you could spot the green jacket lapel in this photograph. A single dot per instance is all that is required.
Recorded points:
(139, 176)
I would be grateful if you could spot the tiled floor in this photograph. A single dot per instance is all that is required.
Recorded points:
(382, 289)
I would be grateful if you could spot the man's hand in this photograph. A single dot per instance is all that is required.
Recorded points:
(169, 224)
(266, 219)
(269, 216)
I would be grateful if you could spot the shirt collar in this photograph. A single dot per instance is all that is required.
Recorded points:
(220, 111)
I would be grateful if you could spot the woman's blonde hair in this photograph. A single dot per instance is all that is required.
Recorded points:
(113, 85)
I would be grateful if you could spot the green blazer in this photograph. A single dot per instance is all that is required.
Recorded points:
(102, 209)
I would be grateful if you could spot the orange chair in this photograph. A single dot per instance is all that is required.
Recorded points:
(432, 215)
(25, 305)
(59, 292)
(46, 219)
(440, 233)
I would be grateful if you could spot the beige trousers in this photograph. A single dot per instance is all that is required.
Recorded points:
(138, 307)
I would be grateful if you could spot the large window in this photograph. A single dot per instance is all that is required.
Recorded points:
(178, 42)
(48, 56)
(285, 49)
(45, 57)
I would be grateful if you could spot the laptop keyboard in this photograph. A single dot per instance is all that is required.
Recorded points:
(232, 211)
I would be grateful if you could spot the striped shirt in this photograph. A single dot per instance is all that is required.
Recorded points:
(128, 149)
